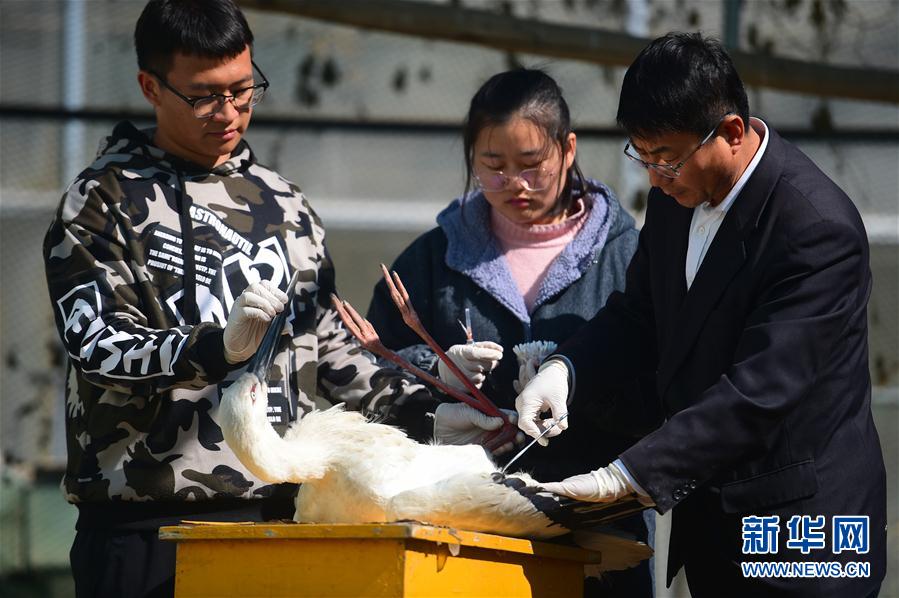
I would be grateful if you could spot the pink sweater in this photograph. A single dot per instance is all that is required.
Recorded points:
(531, 249)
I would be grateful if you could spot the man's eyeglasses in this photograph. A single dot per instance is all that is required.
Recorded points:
(532, 179)
(667, 170)
(208, 106)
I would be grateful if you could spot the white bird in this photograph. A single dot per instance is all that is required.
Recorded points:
(353, 470)
(356, 471)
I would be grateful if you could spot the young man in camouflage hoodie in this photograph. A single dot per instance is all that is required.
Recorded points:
(166, 259)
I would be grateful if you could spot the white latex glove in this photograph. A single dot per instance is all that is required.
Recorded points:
(547, 391)
(476, 360)
(457, 423)
(249, 318)
(606, 484)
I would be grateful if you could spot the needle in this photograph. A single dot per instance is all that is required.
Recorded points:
(531, 443)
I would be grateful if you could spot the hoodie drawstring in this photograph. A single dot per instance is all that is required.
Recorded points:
(191, 311)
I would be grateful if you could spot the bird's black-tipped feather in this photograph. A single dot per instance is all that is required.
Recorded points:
(569, 513)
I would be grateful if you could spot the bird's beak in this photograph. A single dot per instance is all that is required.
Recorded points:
(265, 354)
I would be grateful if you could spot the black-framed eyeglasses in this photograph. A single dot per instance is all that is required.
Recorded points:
(667, 170)
(208, 106)
(532, 179)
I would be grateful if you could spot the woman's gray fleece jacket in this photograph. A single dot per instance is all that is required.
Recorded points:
(459, 265)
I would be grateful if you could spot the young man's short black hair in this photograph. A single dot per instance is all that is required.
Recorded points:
(680, 83)
(205, 28)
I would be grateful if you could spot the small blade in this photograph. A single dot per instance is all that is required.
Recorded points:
(531, 443)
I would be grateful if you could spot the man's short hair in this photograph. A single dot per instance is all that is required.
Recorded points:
(680, 83)
(204, 28)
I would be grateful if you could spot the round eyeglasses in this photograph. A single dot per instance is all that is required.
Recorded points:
(532, 179)
(208, 106)
(667, 170)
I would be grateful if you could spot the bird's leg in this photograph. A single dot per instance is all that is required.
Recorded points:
(362, 329)
(401, 299)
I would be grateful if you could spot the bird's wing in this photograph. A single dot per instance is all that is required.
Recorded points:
(569, 513)
(474, 502)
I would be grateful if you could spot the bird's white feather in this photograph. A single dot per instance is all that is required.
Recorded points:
(530, 355)
(474, 501)
(352, 470)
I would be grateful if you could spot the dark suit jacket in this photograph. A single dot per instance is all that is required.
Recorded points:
(762, 371)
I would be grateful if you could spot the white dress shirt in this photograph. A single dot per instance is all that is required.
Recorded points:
(707, 219)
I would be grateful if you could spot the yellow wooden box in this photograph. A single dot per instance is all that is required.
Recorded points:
(397, 559)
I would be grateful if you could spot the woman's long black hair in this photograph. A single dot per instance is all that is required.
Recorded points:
(535, 96)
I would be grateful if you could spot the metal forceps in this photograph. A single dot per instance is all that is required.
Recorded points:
(531, 443)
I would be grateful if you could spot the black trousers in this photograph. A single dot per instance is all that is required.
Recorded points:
(117, 551)
(636, 582)
(122, 564)
(629, 583)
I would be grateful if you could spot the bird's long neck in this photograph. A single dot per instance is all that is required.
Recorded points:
(245, 426)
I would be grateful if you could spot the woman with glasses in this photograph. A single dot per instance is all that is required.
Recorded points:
(529, 253)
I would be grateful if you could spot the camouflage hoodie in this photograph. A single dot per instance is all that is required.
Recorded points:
(144, 258)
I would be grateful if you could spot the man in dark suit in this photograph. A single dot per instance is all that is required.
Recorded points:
(747, 298)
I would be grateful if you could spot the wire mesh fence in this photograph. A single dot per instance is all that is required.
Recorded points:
(367, 124)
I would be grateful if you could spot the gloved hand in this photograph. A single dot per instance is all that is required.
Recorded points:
(249, 317)
(457, 423)
(476, 360)
(547, 391)
(606, 484)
